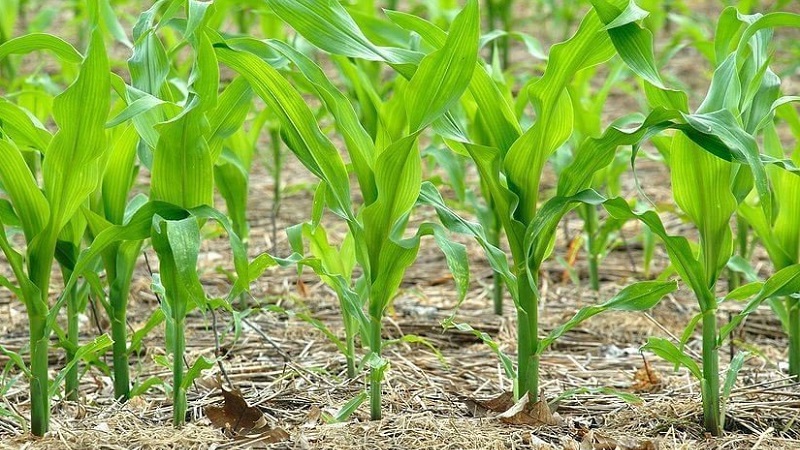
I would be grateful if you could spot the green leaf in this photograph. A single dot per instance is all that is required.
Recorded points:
(702, 188)
(183, 172)
(202, 363)
(23, 127)
(19, 184)
(441, 79)
(730, 377)
(783, 283)
(347, 410)
(298, 125)
(508, 365)
(668, 351)
(73, 167)
(177, 243)
(636, 297)
(40, 41)
(327, 25)
(16, 358)
(87, 351)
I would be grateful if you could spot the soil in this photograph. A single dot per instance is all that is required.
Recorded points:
(433, 395)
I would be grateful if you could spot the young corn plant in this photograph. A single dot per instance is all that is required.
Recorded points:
(179, 135)
(510, 162)
(781, 235)
(740, 97)
(110, 207)
(70, 172)
(388, 169)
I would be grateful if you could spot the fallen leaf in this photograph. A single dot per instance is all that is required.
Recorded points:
(482, 408)
(302, 288)
(594, 440)
(526, 413)
(235, 414)
(312, 418)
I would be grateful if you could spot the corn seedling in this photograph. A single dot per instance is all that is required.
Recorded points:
(781, 235)
(388, 170)
(70, 172)
(710, 192)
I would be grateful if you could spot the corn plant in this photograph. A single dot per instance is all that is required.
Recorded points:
(524, 153)
(781, 236)
(71, 171)
(388, 170)
(739, 98)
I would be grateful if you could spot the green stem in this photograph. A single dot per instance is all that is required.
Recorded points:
(39, 266)
(491, 12)
(118, 299)
(179, 405)
(527, 339)
(497, 281)
(591, 226)
(793, 309)
(277, 166)
(710, 382)
(350, 342)
(40, 382)
(376, 373)
(742, 230)
(506, 17)
(351, 352)
(71, 380)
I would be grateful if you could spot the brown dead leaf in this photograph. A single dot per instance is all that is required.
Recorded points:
(594, 440)
(522, 412)
(647, 379)
(526, 413)
(235, 414)
(483, 408)
(441, 280)
(312, 418)
(302, 289)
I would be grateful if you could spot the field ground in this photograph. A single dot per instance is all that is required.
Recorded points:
(295, 375)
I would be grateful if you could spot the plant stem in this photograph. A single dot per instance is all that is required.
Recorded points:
(351, 350)
(591, 236)
(277, 166)
(793, 309)
(71, 380)
(506, 18)
(491, 12)
(497, 281)
(527, 339)
(742, 229)
(710, 382)
(40, 266)
(118, 299)
(350, 342)
(179, 404)
(376, 373)
(40, 382)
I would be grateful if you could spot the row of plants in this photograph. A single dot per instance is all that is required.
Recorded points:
(186, 110)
